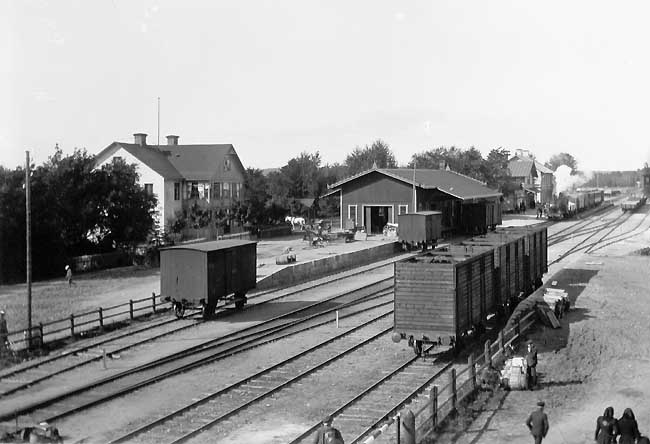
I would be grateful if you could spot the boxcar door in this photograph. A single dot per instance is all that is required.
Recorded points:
(228, 270)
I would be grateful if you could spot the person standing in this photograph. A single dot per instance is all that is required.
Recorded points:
(606, 427)
(68, 275)
(537, 423)
(328, 434)
(531, 366)
(627, 428)
(4, 332)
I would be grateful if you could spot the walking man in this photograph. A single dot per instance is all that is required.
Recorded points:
(328, 434)
(537, 423)
(531, 366)
(4, 332)
(68, 275)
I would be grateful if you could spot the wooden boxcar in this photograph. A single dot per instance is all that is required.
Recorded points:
(422, 228)
(478, 218)
(201, 274)
(442, 295)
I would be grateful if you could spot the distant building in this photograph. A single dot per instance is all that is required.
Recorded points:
(181, 176)
(378, 196)
(537, 181)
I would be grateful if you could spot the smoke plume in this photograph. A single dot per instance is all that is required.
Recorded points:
(565, 182)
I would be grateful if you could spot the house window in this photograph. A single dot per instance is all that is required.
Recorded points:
(216, 190)
(148, 188)
(177, 191)
(192, 190)
(226, 191)
(226, 164)
(402, 209)
(236, 190)
(117, 159)
(352, 213)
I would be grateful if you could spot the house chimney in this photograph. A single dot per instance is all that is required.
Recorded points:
(172, 140)
(140, 139)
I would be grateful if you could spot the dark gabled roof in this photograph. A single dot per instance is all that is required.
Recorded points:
(542, 168)
(522, 168)
(190, 162)
(449, 182)
(149, 155)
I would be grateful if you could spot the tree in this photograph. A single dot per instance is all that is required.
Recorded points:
(362, 159)
(563, 159)
(255, 197)
(465, 161)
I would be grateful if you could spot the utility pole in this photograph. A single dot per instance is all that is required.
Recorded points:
(415, 202)
(158, 122)
(28, 239)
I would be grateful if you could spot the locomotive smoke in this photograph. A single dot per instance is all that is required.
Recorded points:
(565, 182)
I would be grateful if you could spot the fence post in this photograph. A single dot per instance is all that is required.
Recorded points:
(454, 393)
(40, 330)
(408, 425)
(434, 406)
(501, 341)
(71, 324)
(153, 301)
(100, 314)
(486, 353)
(399, 426)
(131, 308)
(472, 370)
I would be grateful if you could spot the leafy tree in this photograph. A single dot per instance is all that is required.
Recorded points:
(361, 159)
(256, 197)
(468, 162)
(563, 159)
(12, 224)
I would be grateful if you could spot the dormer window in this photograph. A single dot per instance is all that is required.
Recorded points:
(226, 164)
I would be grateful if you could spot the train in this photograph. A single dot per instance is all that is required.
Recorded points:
(633, 203)
(199, 275)
(442, 296)
(567, 205)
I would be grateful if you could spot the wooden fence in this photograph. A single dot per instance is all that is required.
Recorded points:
(79, 323)
(446, 395)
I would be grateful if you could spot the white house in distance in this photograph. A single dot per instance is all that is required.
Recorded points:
(180, 176)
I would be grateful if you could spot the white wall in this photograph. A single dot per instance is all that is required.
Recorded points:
(147, 175)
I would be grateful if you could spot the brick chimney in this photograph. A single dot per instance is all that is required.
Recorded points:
(172, 140)
(140, 139)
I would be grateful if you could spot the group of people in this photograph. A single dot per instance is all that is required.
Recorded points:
(625, 428)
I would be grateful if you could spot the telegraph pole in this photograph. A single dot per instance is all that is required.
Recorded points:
(28, 241)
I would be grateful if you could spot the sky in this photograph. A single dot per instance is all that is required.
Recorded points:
(279, 77)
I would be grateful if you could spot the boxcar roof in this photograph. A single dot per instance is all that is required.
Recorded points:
(211, 246)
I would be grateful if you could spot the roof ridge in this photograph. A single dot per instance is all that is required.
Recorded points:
(466, 176)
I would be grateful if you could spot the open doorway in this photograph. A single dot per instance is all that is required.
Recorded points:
(376, 217)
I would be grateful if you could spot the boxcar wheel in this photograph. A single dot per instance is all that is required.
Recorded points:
(240, 300)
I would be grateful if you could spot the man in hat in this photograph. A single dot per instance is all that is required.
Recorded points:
(4, 332)
(537, 423)
(328, 434)
(531, 365)
(68, 275)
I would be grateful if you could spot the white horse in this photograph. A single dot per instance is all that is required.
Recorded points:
(295, 221)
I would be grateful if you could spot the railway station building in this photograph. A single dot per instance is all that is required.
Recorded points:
(207, 176)
(375, 197)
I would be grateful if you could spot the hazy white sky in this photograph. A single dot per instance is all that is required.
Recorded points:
(278, 77)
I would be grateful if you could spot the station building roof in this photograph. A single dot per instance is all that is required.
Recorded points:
(446, 181)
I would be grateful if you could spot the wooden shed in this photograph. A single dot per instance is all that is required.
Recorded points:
(422, 227)
(208, 271)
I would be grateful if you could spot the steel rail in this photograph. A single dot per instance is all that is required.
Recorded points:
(147, 427)
(214, 356)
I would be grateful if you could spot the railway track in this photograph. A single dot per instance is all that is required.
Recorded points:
(27, 375)
(103, 390)
(222, 405)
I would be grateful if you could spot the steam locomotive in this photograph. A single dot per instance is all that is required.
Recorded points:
(567, 205)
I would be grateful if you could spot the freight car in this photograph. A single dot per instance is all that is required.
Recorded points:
(633, 203)
(442, 295)
(478, 218)
(420, 230)
(567, 205)
(200, 275)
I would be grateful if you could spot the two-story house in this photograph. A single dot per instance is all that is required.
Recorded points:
(545, 180)
(182, 176)
(524, 172)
